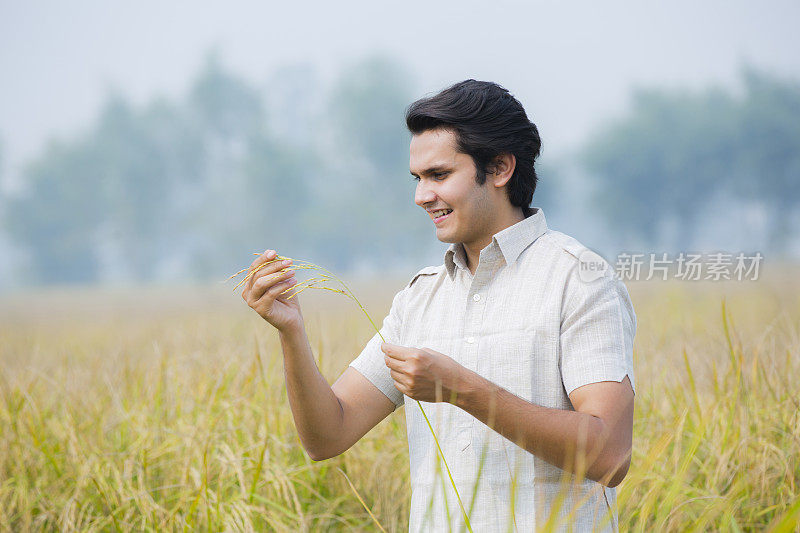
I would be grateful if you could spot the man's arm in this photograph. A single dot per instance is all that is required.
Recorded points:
(594, 440)
(601, 425)
(329, 419)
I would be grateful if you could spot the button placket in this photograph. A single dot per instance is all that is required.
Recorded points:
(476, 304)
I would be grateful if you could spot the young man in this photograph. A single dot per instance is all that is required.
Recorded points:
(522, 362)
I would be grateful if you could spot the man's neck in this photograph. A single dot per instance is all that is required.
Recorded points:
(473, 250)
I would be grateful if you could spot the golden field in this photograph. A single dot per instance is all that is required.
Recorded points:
(165, 409)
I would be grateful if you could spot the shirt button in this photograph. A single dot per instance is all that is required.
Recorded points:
(471, 340)
(476, 297)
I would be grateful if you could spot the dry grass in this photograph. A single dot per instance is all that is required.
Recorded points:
(165, 409)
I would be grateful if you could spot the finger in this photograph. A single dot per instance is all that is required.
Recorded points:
(279, 289)
(398, 377)
(255, 272)
(269, 269)
(248, 284)
(267, 285)
(395, 351)
(283, 289)
(269, 255)
(393, 357)
(393, 364)
(267, 282)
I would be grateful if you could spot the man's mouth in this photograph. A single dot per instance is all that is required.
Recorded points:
(440, 215)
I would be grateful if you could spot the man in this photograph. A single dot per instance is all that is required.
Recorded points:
(522, 362)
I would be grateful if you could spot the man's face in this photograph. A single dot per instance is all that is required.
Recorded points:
(446, 180)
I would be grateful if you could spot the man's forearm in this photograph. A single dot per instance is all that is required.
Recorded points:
(316, 409)
(554, 435)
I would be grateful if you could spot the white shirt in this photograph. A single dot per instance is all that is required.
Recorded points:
(528, 322)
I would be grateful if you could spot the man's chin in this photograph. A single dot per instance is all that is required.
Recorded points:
(445, 237)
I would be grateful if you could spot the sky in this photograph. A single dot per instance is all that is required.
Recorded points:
(571, 64)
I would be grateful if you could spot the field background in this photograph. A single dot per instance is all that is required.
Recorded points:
(153, 409)
(137, 393)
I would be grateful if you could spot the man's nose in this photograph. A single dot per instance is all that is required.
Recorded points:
(424, 195)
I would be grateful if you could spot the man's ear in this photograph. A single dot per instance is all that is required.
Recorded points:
(502, 169)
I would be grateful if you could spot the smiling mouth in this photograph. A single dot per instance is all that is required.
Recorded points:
(440, 218)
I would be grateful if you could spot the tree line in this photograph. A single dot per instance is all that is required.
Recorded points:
(188, 189)
(676, 152)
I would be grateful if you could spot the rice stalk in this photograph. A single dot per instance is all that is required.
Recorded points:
(363, 503)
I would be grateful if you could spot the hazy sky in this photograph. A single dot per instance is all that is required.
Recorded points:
(571, 64)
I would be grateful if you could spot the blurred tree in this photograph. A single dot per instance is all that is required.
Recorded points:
(368, 105)
(664, 160)
(111, 187)
(194, 184)
(374, 193)
(675, 150)
(56, 216)
(769, 149)
(288, 175)
(295, 98)
(279, 195)
(133, 160)
(252, 188)
(549, 186)
(229, 119)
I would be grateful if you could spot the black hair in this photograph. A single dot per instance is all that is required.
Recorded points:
(487, 121)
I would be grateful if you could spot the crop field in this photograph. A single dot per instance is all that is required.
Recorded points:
(165, 409)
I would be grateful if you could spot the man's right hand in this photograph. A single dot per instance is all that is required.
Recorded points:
(262, 292)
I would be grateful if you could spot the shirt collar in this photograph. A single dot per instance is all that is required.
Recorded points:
(511, 241)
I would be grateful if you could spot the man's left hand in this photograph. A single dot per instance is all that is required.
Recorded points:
(424, 374)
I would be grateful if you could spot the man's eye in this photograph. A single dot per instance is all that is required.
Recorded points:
(436, 175)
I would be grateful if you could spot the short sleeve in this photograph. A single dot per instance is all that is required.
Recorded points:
(598, 325)
(371, 364)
